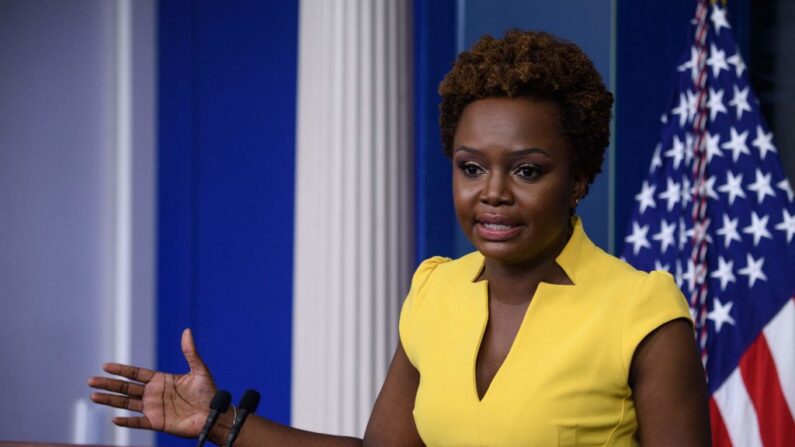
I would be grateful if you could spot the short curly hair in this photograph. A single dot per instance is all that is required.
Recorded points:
(540, 66)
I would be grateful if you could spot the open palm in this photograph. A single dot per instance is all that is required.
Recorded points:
(175, 404)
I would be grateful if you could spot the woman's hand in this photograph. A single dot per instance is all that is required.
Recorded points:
(175, 404)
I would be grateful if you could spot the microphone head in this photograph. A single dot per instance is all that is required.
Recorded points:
(221, 401)
(249, 401)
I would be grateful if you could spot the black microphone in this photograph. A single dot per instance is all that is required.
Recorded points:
(218, 405)
(248, 404)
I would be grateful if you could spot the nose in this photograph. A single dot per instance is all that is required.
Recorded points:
(496, 190)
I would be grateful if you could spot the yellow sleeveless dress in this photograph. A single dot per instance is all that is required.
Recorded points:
(565, 379)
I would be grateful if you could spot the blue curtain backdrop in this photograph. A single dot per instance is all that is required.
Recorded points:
(227, 89)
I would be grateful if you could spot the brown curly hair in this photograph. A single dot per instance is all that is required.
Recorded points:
(540, 66)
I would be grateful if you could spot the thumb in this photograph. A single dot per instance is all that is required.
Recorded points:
(195, 362)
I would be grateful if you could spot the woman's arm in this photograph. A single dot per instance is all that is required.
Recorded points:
(179, 404)
(670, 389)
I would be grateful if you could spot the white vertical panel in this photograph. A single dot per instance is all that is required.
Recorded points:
(353, 200)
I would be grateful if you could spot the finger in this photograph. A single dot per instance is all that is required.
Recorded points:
(116, 401)
(133, 422)
(142, 375)
(195, 362)
(117, 386)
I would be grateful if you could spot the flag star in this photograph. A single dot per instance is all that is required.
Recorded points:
(724, 272)
(646, 196)
(656, 160)
(737, 61)
(718, 18)
(758, 228)
(713, 149)
(638, 237)
(660, 266)
(689, 148)
(753, 269)
(785, 186)
(681, 110)
(720, 314)
(690, 275)
(678, 274)
(715, 104)
(677, 152)
(763, 142)
(717, 60)
(733, 186)
(707, 188)
(737, 144)
(691, 64)
(762, 186)
(729, 231)
(687, 193)
(665, 236)
(692, 105)
(671, 193)
(740, 101)
(683, 231)
(787, 224)
(699, 231)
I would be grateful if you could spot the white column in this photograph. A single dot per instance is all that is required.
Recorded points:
(354, 217)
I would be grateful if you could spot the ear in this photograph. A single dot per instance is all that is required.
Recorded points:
(578, 190)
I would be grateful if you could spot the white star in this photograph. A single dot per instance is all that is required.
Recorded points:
(737, 61)
(785, 186)
(762, 186)
(638, 237)
(677, 152)
(683, 231)
(729, 231)
(724, 272)
(718, 18)
(720, 314)
(687, 193)
(660, 266)
(671, 194)
(699, 231)
(713, 149)
(740, 101)
(763, 142)
(689, 148)
(690, 275)
(692, 105)
(656, 160)
(753, 269)
(733, 186)
(692, 63)
(758, 228)
(707, 188)
(715, 104)
(787, 224)
(737, 144)
(717, 60)
(665, 236)
(681, 110)
(678, 274)
(646, 196)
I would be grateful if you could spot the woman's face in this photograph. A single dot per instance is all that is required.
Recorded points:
(512, 180)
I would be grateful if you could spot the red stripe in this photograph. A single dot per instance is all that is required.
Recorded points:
(720, 436)
(758, 370)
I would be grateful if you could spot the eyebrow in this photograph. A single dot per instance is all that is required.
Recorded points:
(514, 154)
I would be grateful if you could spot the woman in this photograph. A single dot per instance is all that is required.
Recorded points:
(538, 337)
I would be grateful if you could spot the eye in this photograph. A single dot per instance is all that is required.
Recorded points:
(528, 172)
(471, 169)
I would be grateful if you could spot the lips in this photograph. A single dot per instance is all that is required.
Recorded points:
(496, 227)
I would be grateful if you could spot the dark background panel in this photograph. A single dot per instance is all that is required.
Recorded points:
(226, 191)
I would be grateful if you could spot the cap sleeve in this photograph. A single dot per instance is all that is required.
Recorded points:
(659, 301)
(415, 299)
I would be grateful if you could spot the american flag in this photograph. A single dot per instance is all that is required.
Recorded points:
(717, 212)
